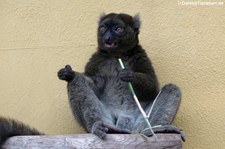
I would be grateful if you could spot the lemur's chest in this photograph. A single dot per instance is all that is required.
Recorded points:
(111, 67)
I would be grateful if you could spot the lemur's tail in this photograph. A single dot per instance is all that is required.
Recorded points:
(10, 128)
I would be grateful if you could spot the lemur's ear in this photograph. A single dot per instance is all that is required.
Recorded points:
(101, 17)
(136, 22)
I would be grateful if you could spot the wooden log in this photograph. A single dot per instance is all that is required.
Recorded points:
(88, 141)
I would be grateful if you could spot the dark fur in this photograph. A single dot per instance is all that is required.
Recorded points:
(10, 127)
(100, 98)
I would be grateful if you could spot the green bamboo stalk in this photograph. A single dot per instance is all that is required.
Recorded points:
(137, 102)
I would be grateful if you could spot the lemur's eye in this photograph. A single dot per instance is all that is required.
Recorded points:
(102, 29)
(119, 30)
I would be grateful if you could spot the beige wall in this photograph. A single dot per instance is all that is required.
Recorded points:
(185, 43)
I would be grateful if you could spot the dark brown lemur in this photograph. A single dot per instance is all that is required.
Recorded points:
(100, 98)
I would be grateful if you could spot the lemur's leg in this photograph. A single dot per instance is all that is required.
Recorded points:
(163, 112)
(86, 107)
(166, 106)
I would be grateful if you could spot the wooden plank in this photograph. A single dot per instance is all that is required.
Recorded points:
(90, 141)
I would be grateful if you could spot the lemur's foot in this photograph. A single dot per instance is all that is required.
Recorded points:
(168, 129)
(101, 129)
(66, 73)
(171, 90)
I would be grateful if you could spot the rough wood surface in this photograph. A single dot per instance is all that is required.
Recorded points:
(87, 141)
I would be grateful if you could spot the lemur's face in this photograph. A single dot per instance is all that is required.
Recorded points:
(117, 32)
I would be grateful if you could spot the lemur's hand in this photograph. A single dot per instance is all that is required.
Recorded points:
(66, 73)
(126, 75)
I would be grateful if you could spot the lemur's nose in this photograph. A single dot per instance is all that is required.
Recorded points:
(108, 37)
